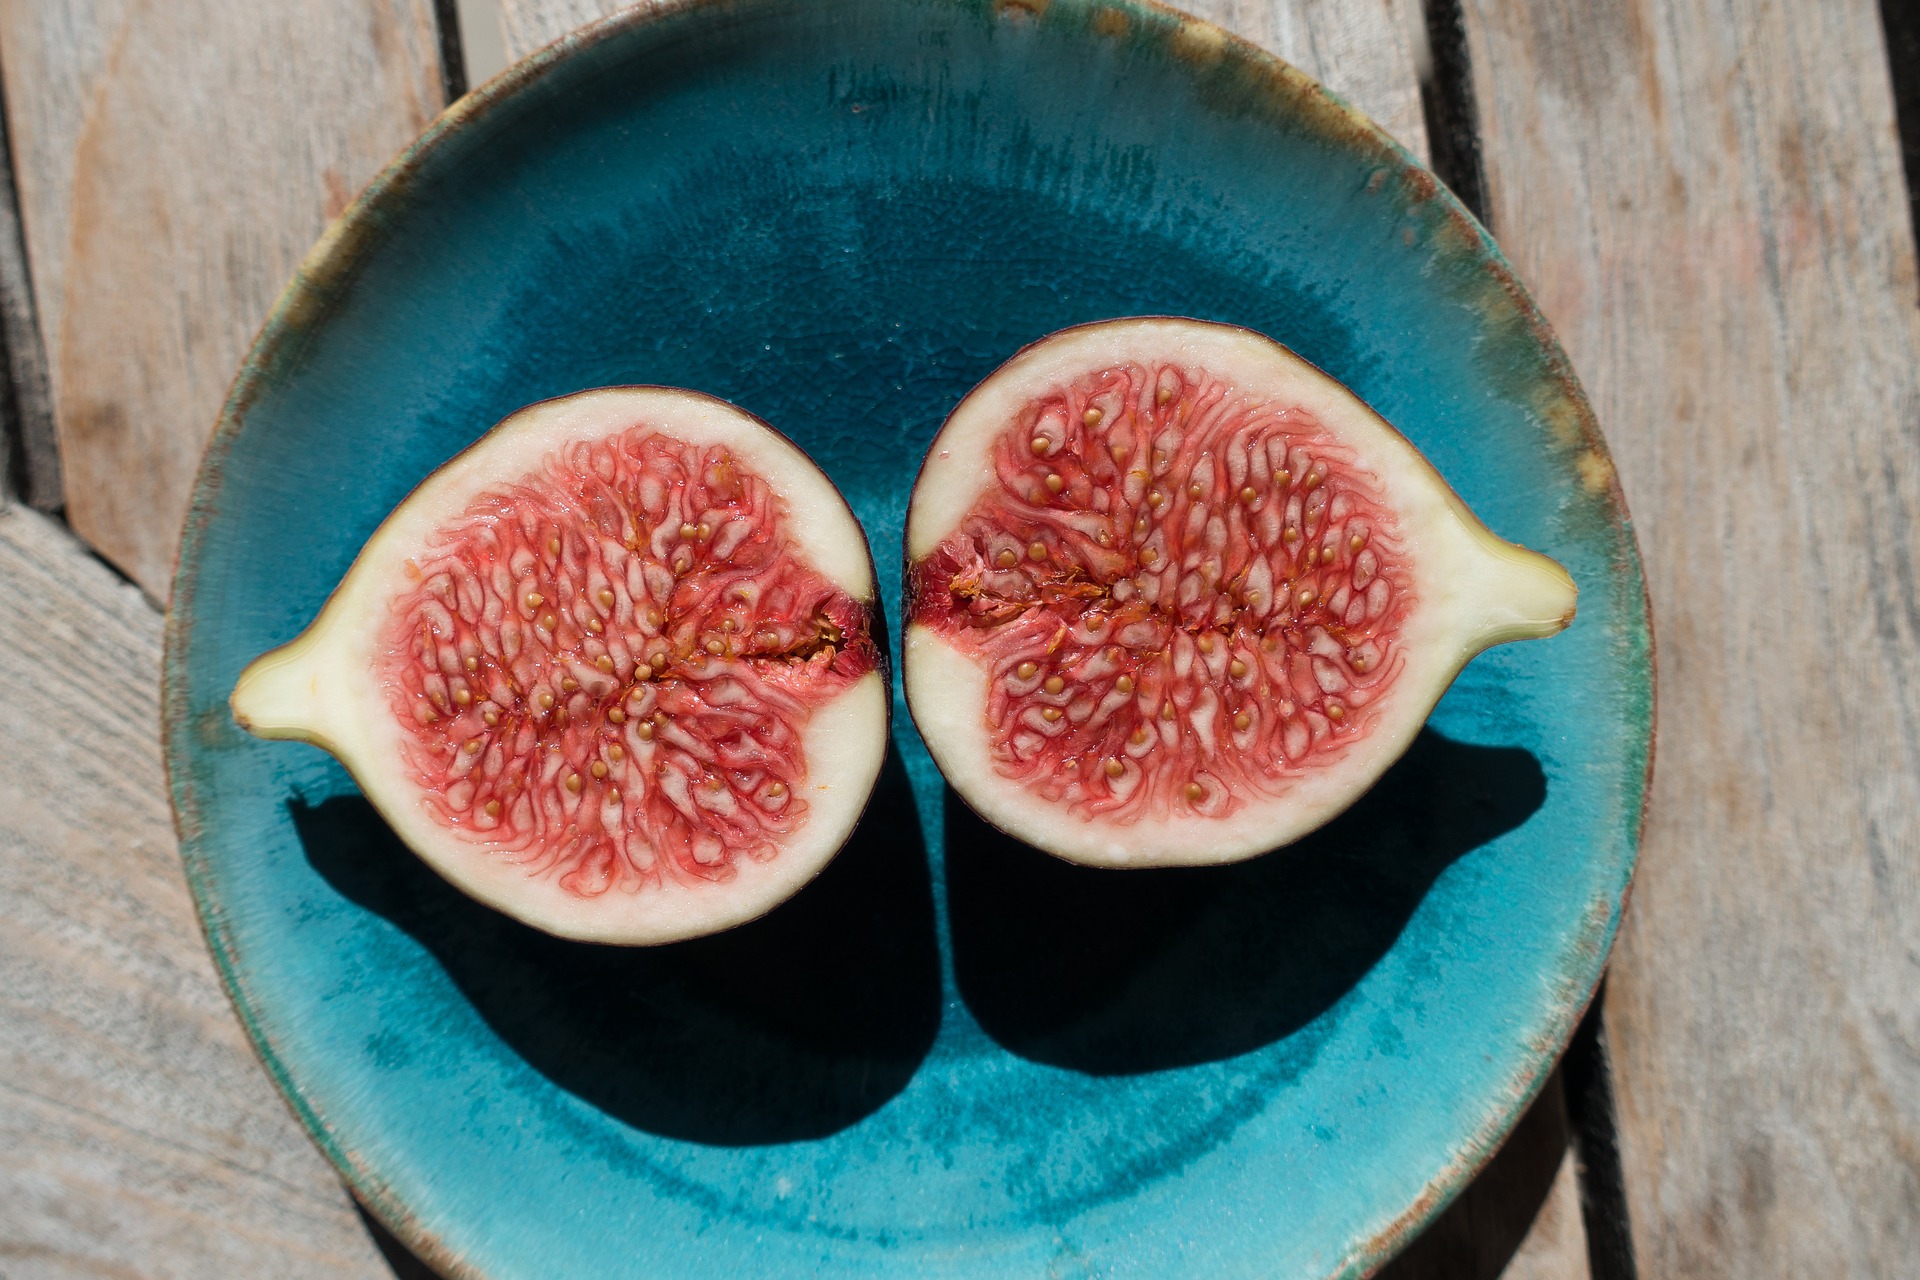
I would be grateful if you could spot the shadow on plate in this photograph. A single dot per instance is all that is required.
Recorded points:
(1115, 972)
(792, 1027)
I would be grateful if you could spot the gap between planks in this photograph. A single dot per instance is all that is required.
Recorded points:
(1705, 196)
(141, 1135)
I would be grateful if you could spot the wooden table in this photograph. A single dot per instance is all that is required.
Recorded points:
(1706, 197)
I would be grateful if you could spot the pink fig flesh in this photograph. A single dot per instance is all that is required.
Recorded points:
(1181, 597)
(604, 669)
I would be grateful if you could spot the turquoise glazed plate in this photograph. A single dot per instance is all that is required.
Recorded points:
(950, 1056)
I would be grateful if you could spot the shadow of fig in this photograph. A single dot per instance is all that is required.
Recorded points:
(1118, 972)
(788, 1028)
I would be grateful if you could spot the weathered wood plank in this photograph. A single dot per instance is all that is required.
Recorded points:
(140, 1136)
(1706, 197)
(1362, 49)
(174, 161)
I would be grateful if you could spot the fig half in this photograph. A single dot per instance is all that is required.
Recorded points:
(611, 670)
(1177, 597)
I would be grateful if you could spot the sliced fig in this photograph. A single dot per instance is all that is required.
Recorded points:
(611, 670)
(1175, 596)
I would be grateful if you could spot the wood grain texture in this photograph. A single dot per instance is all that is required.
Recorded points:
(1706, 197)
(1361, 49)
(141, 1137)
(175, 160)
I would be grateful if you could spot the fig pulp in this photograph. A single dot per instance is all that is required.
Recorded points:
(1175, 596)
(611, 670)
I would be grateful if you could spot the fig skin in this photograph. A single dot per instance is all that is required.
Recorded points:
(1471, 590)
(325, 686)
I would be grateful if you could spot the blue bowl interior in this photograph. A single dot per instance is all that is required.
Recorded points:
(950, 1056)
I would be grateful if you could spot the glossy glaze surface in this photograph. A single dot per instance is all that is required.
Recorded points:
(950, 1055)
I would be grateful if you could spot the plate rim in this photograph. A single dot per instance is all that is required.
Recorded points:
(310, 293)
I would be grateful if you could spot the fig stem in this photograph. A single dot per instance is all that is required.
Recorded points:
(1521, 595)
(281, 694)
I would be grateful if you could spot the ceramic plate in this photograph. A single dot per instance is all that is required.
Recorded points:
(950, 1056)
